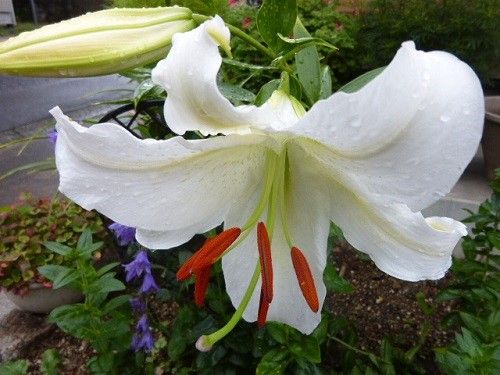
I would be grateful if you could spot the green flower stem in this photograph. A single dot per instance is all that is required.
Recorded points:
(199, 18)
(211, 339)
(356, 350)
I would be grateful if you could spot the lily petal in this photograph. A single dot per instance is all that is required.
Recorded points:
(402, 243)
(175, 186)
(309, 224)
(194, 102)
(408, 134)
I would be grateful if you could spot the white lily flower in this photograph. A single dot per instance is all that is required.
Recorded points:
(369, 161)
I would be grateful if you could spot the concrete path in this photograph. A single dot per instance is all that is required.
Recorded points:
(40, 184)
(24, 100)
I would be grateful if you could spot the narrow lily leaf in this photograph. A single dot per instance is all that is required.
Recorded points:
(236, 93)
(244, 65)
(148, 90)
(308, 66)
(266, 91)
(37, 166)
(361, 81)
(103, 42)
(326, 83)
(276, 17)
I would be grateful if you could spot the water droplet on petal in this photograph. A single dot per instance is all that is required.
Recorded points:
(444, 118)
(427, 76)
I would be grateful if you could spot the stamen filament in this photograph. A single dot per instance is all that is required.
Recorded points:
(305, 279)
(211, 339)
(281, 188)
(266, 265)
(201, 285)
(259, 209)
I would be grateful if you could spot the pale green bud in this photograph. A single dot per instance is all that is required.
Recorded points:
(104, 42)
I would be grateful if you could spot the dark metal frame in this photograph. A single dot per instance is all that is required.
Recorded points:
(144, 107)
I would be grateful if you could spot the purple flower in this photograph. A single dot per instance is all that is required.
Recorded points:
(143, 337)
(138, 305)
(52, 136)
(140, 265)
(125, 235)
(149, 284)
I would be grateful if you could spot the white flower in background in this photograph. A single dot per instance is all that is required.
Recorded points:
(369, 161)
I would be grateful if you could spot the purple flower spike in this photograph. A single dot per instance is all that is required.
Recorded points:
(138, 305)
(143, 337)
(52, 136)
(140, 265)
(149, 284)
(125, 235)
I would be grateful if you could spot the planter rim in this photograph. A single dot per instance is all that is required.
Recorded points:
(492, 108)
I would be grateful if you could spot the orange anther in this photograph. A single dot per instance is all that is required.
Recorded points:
(201, 285)
(305, 279)
(266, 264)
(263, 308)
(211, 250)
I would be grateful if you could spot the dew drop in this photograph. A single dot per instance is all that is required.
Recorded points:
(466, 111)
(427, 76)
(444, 118)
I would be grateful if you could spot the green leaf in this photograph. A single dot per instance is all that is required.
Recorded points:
(335, 283)
(147, 90)
(236, 93)
(101, 364)
(277, 331)
(58, 248)
(326, 83)
(307, 347)
(107, 284)
(276, 17)
(266, 91)
(51, 359)
(274, 362)
(244, 65)
(19, 367)
(85, 240)
(64, 278)
(107, 268)
(52, 271)
(116, 302)
(361, 81)
(308, 66)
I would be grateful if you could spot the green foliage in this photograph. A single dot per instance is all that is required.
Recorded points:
(103, 322)
(19, 367)
(325, 22)
(476, 288)
(276, 17)
(26, 225)
(468, 29)
(51, 360)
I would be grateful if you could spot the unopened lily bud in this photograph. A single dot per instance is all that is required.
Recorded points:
(104, 42)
